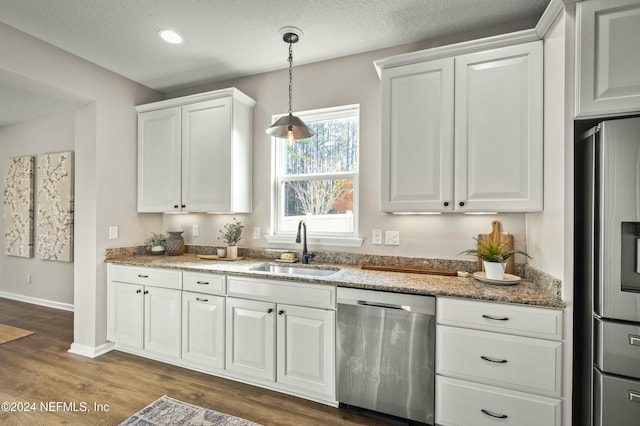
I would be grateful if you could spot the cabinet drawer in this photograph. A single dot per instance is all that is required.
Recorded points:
(204, 283)
(511, 319)
(292, 293)
(464, 403)
(520, 363)
(146, 276)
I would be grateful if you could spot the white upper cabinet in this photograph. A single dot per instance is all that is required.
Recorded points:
(194, 154)
(462, 132)
(498, 130)
(417, 136)
(608, 68)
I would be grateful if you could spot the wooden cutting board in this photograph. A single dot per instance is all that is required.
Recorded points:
(504, 237)
(448, 272)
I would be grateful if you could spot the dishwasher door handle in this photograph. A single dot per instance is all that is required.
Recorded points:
(383, 305)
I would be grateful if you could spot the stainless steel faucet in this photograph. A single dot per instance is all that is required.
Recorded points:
(306, 255)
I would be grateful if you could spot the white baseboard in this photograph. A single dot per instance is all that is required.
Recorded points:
(90, 351)
(36, 301)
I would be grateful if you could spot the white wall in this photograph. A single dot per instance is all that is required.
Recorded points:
(347, 80)
(105, 158)
(50, 281)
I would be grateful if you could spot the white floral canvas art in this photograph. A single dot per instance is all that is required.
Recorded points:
(18, 206)
(54, 225)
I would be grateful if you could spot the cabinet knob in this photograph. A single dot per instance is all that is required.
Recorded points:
(446, 204)
(138, 291)
(461, 203)
(146, 292)
(175, 206)
(269, 310)
(280, 312)
(183, 206)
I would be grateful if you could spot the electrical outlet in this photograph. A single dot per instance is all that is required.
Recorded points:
(113, 232)
(195, 231)
(391, 238)
(28, 280)
(256, 232)
(376, 237)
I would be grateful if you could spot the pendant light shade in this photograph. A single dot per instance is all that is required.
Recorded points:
(289, 126)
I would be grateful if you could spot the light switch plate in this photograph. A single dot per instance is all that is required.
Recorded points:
(376, 237)
(113, 232)
(195, 230)
(391, 238)
(256, 232)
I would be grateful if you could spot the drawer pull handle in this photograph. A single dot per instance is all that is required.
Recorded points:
(202, 282)
(497, 416)
(146, 292)
(634, 396)
(491, 317)
(494, 360)
(634, 340)
(138, 291)
(199, 299)
(269, 310)
(143, 276)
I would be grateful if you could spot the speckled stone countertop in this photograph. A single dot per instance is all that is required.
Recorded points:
(528, 292)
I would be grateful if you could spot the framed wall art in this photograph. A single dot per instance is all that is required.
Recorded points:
(54, 225)
(18, 206)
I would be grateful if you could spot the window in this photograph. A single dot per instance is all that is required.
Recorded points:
(316, 179)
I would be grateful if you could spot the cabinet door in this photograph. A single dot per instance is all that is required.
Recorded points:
(203, 330)
(206, 156)
(306, 349)
(250, 337)
(126, 318)
(608, 80)
(162, 321)
(159, 161)
(498, 130)
(417, 137)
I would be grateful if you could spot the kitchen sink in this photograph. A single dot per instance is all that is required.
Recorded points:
(323, 271)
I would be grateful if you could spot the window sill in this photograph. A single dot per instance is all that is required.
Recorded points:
(317, 240)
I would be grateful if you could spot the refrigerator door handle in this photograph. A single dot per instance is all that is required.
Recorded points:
(634, 396)
(634, 340)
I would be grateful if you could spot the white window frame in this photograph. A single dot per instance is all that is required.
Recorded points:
(314, 237)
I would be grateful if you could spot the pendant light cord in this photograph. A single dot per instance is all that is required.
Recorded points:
(290, 77)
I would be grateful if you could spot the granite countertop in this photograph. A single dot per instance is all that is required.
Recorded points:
(525, 292)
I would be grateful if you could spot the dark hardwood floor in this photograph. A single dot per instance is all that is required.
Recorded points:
(38, 369)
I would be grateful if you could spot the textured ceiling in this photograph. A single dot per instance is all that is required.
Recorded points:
(226, 39)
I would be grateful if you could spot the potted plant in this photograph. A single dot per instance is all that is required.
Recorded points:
(493, 254)
(156, 243)
(231, 234)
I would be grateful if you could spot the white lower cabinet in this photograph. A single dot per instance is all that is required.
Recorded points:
(492, 367)
(203, 330)
(251, 338)
(145, 318)
(306, 349)
(462, 403)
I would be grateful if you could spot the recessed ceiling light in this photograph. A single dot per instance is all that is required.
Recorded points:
(170, 36)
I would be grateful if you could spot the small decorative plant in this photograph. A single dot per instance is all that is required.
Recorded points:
(156, 240)
(232, 232)
(493, 250)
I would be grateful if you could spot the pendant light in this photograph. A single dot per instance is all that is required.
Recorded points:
(289, 126)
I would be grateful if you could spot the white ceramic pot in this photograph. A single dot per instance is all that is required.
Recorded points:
(494, 270)
(222, 252)
(232, 252)
(157, 250)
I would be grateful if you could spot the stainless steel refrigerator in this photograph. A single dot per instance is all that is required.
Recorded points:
(606, 383)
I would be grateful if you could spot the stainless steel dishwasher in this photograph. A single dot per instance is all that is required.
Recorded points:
(386, 352)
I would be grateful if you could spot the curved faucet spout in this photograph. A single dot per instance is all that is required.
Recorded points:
(306, 254)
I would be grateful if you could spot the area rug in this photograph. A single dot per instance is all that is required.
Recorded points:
(8, 333)
(169, 411)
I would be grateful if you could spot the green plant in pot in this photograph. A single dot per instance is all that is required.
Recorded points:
(493, 252)
(231, 234)
(156, 243)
